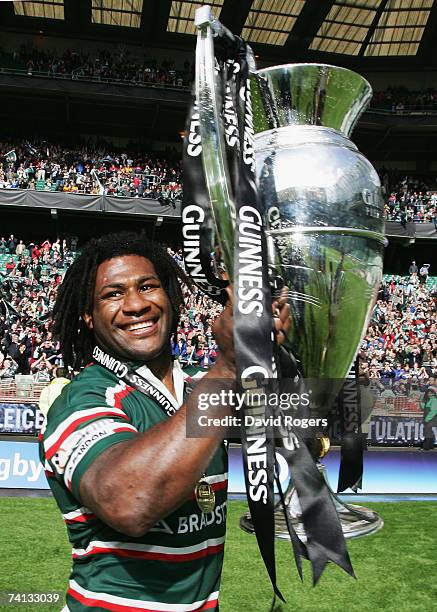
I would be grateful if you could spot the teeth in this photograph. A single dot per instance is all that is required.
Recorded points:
(144, 325)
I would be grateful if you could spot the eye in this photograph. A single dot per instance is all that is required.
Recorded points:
(114, 293)
(149, 286)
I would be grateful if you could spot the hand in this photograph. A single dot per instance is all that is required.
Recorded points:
(223, 326)
(223, 331)
(281, 318)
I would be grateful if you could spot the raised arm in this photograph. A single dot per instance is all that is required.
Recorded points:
(155, 472)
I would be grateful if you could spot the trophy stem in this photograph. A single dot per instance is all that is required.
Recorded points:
(356, 521)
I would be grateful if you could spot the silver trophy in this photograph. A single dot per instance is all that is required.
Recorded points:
(323, 214)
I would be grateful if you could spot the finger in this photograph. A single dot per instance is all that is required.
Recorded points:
(278, 304)
(282, 313)
(280, 337)
(281, 298)
(285, 318)
(230, 293)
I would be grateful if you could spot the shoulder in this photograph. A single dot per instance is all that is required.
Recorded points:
(94, 393)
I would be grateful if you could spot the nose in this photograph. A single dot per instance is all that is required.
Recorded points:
(135, 303)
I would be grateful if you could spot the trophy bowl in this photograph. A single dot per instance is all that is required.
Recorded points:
(320, 214)
(323, 212)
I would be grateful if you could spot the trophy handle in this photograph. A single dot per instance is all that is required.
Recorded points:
(215, 167)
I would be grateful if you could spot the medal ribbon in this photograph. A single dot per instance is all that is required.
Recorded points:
(204, 493)
(127, 374)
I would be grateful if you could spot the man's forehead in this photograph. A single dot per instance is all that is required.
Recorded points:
(127, 266)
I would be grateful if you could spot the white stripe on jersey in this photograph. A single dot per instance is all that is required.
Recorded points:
(149, 548)
(138, 603)
(216, 478)
(88, 437)
(75, 513)
(77, 416)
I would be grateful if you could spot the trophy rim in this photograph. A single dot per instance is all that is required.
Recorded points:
(319, 64)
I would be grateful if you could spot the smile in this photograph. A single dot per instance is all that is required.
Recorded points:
(144, 325)
(143, 328)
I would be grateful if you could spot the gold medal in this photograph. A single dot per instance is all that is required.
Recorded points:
(205, 496)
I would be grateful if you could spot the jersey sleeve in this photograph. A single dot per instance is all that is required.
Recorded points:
(82, 423)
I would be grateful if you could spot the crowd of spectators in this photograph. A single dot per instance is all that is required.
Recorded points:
(28, 285)
(194, 343)
(401, 341)
(97, 168)
(400, 344)
(409, 198)
(407, 206)
(402, 100)
(120, 65)
(88, 168)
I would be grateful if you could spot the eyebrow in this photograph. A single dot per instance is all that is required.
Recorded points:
(138, 281)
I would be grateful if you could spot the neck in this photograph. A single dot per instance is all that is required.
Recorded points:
(162, 368)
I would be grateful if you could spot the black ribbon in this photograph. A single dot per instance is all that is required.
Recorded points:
(351, 459)
(253, 329)
(197, 223)
(325, 539)
(257, 368)
(252, 297)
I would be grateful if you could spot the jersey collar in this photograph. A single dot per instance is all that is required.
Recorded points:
(178, 381)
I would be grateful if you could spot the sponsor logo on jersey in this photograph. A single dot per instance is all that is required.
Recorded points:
(90, 435)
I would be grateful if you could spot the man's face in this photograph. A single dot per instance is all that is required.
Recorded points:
(131, 316)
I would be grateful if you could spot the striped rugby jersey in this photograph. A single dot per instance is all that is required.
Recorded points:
(176, 566)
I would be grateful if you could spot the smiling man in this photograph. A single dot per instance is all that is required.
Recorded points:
(144, 505)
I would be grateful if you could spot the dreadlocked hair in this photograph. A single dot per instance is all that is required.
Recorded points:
(76, 293)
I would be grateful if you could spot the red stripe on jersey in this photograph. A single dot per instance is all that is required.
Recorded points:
(106, 605)
(216, 486)
(121, 428)
(209, 605)
(83, 518)
(89, 417)
(153, 556)
(120, 395)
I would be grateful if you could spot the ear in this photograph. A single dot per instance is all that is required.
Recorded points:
(88, 320)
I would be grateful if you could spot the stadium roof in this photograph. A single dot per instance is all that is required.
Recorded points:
(342, 31)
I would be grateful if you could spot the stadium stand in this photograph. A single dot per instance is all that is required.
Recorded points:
(106, 65)
(88, 169)
(96, 168)
(402, 100)
(76, 84)
(400, 344)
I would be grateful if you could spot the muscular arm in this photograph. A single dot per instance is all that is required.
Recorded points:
(154, 473)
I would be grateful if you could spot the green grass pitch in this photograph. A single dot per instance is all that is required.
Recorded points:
(396, 568)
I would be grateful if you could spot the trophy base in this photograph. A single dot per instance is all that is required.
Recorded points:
(356, 521)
